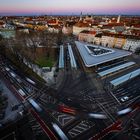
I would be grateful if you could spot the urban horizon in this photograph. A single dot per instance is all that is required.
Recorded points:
(66, 14)
(63, 7)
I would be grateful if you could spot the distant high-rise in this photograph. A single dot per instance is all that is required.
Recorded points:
(119, 18)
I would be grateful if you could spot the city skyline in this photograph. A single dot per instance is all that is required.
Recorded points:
(64, 7)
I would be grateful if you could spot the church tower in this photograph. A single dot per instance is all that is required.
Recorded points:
(81, 16)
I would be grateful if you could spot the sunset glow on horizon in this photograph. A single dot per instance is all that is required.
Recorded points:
(70, 6)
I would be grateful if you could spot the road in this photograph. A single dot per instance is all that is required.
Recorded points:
(79, 91)
(14, 88)
(79, 94)
(21, 83)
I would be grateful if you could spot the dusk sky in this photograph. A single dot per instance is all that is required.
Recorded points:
(70, 6)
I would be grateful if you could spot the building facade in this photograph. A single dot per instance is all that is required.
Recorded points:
(113, 40)
(131, 44)
(77, 30)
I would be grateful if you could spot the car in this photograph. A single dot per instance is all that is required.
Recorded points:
(35, 105)
(125, 98)
(97, 116)
(14, 107)
(7, 69)
(13, 74)
(30, 81)
(21, 92)
(59, 131)
(29, 90)
(124, 111)
(19, 81)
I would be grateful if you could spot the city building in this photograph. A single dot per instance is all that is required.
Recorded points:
(67, 30)
(132, 44)
(52, 22)
(97, 39)
(87, 36)
(2, 24)
(79, 27)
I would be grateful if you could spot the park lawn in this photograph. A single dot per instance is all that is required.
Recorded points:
(45, 62)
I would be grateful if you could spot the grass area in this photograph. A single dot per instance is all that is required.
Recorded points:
(45, 62)
(29, 71)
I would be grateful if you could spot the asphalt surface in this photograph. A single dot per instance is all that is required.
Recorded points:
(79, 90)
(131, 90)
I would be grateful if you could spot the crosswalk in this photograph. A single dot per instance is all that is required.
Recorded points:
(47, 99)
(80, 128)
(36, 128)
(63, 119)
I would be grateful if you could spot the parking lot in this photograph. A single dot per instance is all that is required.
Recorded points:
(129, 91)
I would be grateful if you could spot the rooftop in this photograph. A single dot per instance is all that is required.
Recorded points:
(81, 24)
(102, 56)
(88, 32)
(120, 35)
(97, 50)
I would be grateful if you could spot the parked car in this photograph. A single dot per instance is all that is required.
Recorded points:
(125, 98)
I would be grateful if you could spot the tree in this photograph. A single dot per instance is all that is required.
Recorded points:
(1, 37)
(2, 46)
(60, 38)
(24, 45)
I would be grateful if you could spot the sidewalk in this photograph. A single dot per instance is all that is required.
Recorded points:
(9, 114)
